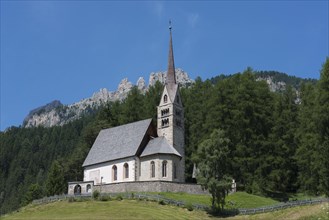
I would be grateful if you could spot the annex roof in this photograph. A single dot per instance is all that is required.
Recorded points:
(159, 145)
(117, 142)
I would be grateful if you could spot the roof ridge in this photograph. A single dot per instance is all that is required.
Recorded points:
(119, 126)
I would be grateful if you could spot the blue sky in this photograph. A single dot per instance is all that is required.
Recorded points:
(67, 50)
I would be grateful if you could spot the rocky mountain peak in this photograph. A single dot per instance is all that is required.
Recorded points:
(181, 77)
(50, 114)
(141, 85)
(273, 86)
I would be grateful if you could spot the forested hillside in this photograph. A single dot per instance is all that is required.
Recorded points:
(276, 145)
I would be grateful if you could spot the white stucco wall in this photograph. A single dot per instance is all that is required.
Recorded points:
(95, 172)
(158, 159)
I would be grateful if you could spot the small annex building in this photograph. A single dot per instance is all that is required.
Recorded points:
(140, 152)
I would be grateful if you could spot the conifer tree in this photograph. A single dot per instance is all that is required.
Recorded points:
(280, 170)
(55, 184)
(323, 126)
(307, 154)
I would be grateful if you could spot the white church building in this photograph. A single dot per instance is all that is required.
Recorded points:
(140, 152)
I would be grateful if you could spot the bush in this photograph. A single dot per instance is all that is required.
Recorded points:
(71, 199)
(96, 194)
(119, 198)
(161, 202)
(189, 206)
(105, 198)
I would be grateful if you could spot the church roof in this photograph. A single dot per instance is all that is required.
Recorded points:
(172, 91)
(118, 142)
(171, 75)
(159, 145)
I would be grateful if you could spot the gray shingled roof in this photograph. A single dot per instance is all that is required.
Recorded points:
(159, 145)
(118, 142)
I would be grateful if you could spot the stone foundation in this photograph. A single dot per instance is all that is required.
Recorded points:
(141, 186)
(151, 186)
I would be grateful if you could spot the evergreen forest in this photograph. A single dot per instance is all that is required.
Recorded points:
(275, 145)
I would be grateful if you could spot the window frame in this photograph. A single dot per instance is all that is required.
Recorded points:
(152, 169)
(164, 168)
(114, 173)
(126, 171)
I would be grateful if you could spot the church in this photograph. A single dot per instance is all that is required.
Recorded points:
(139, 151)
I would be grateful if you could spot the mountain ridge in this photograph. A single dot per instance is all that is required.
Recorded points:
(57, 114)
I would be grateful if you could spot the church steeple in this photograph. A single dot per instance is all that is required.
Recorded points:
(171, 115)
(171, 77)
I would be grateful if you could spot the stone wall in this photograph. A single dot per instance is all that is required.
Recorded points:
(80, 187)
(150, 186)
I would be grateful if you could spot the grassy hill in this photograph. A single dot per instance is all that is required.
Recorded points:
(134, 209)
(235, 200)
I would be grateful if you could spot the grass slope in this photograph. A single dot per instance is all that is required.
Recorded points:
(133, 209)
(235, 200)
(125, 209)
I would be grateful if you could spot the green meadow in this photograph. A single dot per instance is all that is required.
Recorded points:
(143, 209)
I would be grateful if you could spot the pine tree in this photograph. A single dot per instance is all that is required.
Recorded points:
(280, 171)
(55, 184)
(323, 126)
(307, 154)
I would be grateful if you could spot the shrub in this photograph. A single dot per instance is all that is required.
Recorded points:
(96, 194)
(189, 206)
(71, 199)
(161, 202)
(119, 197)
(105, 198)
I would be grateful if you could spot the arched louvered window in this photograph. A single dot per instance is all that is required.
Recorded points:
(126, 170)
(164, 168)
(165, 98)
(175, 171)
(114, 173)
(152, 169)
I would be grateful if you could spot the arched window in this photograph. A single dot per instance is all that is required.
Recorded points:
(114, 173)
(126, 170)
(88, 188)
(77, 190)
(152, 169)
(164, 168)
(165, 98)
(175, 171)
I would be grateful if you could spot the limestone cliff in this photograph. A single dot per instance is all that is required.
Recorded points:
(55, 113)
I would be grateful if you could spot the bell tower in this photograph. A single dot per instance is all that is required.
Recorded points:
(170, 123)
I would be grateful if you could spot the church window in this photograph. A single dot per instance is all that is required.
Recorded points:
(115, 173)
(165, 98)
(165, 112)
(175, 171)
(126, 170)
(164, 168)
(165, 122)
(152, 169)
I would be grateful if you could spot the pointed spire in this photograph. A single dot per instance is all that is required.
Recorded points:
(171, 77)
